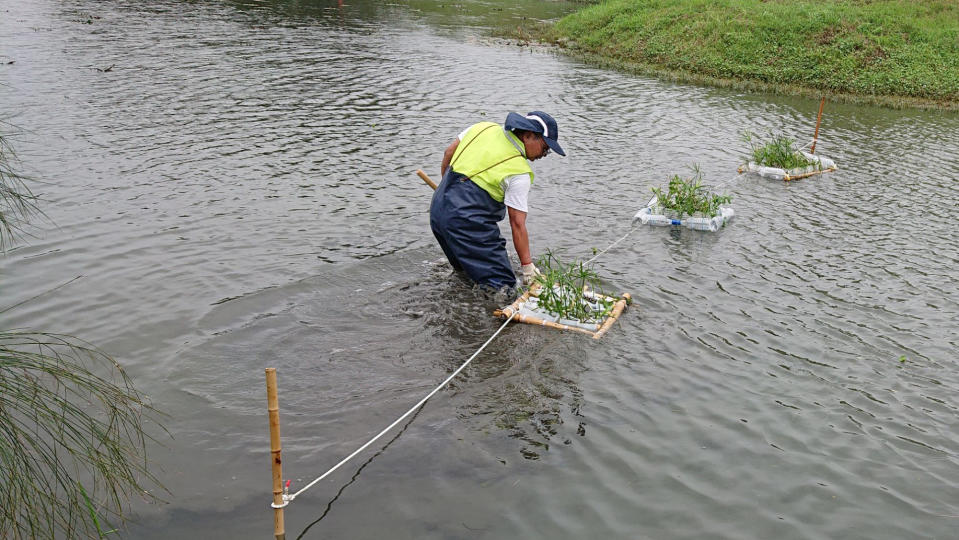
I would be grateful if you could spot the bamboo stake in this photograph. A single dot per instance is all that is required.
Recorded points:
(273, 407)
(429, 181)
(815, 137)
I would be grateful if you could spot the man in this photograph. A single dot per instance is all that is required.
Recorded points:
(486, 173)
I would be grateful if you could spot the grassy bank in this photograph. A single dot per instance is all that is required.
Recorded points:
(893, 52)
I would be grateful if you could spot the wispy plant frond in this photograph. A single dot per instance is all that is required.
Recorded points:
(17, 202)
(72, 437)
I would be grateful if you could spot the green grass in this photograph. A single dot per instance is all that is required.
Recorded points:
(894, 52)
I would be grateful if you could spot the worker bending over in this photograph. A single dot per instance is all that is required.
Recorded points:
(486, 173)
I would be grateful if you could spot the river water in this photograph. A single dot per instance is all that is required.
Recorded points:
(233, 182)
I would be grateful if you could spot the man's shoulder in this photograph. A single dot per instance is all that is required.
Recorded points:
(482, 125)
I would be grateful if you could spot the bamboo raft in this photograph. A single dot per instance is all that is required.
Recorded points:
(596, 330)
(823, 165)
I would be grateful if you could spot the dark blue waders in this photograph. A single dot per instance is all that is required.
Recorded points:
(464, 219)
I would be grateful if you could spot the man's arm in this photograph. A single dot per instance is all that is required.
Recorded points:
(447, 156)
(517, 222)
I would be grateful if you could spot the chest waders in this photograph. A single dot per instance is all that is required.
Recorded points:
(464, 215)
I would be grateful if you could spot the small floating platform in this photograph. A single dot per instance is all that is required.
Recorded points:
(655, 215)
(820, 165)
(527, 310)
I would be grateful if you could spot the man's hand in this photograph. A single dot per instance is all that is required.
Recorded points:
(529, 272)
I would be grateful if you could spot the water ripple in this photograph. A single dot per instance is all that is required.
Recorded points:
(237, 191)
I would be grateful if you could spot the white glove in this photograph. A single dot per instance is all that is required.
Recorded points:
(529, 272)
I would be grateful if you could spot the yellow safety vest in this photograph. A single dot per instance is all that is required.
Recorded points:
(487, 156)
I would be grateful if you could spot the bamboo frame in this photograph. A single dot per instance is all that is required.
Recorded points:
(614, 316)
(514, 308)
(788, 178)
(273, 406)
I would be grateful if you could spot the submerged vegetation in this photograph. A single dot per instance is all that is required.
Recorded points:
(892, 52)
(689, 197)
(778, 152)
(563, 286)
(72, 426)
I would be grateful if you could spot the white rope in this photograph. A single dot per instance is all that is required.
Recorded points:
(807, 145)
(611, 246)
(724, 182)
(288, 498)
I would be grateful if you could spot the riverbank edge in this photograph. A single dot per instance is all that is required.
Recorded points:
(542, 34)
(750, 85)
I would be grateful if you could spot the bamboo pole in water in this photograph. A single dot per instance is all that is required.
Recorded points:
(429, 181)
(273, 407)
(815, 136)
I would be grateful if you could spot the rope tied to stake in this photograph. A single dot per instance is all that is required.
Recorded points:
(287, 498)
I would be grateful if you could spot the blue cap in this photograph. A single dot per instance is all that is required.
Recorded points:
(537, 122)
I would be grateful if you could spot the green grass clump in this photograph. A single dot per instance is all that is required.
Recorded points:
(689, 197)
(895, 52)
(563, 286)
(778, 152)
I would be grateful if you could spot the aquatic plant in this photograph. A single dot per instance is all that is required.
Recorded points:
(688, 196)
(64, 425)
(563, 286)
(778, 152)
(17, 202)
(72, 426)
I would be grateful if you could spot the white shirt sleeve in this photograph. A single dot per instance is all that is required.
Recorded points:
(516, 190)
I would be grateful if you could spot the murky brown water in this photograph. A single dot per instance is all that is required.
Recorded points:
(237, 192)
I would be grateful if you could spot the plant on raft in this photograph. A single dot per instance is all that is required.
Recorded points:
(688, 196)
(563, 287)
(778, 152)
